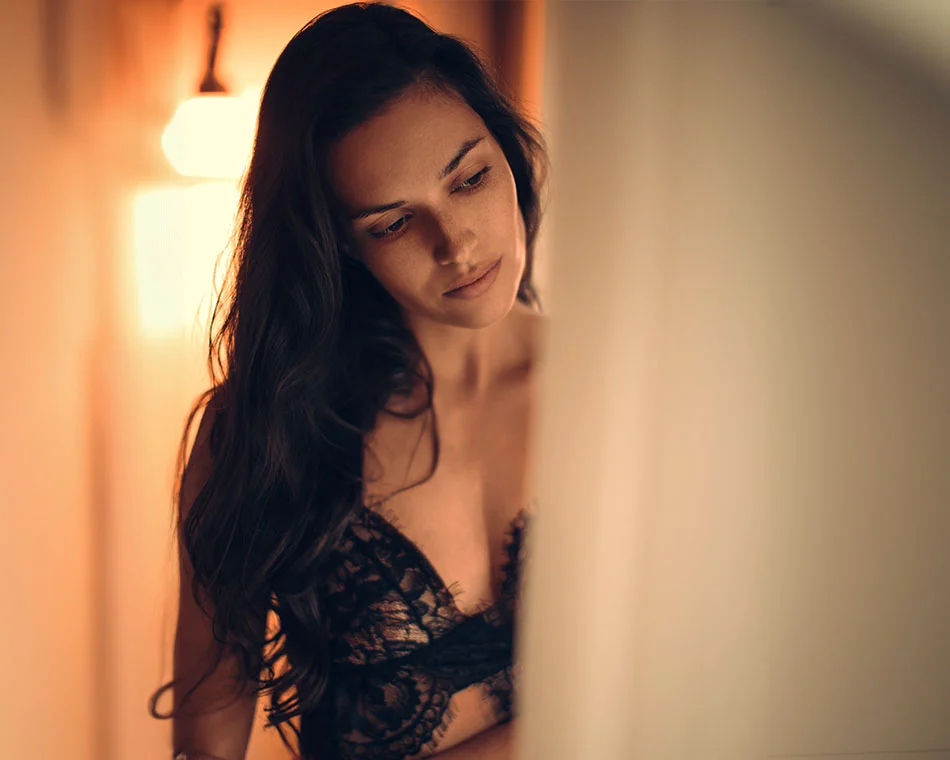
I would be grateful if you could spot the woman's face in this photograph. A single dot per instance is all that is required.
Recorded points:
(432, 204)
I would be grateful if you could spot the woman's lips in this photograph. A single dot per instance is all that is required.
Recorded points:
(463, 282)
(478, 286)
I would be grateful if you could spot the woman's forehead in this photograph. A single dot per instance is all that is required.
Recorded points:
(404, 146)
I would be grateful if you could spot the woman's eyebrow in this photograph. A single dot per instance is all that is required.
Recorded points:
(375, 210)
(457, 158)
(449, 167)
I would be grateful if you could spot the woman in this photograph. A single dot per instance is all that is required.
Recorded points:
(360, 473)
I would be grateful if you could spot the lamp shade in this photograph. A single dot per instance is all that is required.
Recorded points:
(211, 136)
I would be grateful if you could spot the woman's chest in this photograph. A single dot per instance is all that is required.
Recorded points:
(458, 515)
(423, 600)
(413, 669)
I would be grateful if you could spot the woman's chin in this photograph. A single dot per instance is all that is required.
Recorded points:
(474, 310)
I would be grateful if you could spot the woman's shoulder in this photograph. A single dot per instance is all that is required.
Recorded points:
(199, 458)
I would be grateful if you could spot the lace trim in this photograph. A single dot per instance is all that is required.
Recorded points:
(400, 645)
(395, 720)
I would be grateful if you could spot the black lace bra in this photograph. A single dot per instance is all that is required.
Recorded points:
(400, 647)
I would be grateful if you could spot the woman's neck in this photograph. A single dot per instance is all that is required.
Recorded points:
(468, 364)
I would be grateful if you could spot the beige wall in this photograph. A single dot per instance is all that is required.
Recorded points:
(744, 480)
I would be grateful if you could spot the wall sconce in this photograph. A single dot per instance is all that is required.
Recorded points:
(180, 229)
(211, 135)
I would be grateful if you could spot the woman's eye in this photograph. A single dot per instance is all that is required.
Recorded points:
(467, 186)
(392, 229)
(474, 181)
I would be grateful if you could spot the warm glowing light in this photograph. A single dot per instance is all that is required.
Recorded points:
(211, 136)
(179, 234)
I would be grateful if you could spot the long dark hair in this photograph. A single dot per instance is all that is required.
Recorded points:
(307, 348)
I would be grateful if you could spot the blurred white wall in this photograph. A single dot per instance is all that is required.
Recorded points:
(742, 551)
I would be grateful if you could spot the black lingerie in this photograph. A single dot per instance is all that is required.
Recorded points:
(400, 647)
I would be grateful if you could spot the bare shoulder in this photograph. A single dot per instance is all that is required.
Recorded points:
(199, 459)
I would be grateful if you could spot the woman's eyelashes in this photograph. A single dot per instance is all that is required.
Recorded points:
(392, 230)
(474, 183)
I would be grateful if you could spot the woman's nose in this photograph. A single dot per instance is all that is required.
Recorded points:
(457, 245)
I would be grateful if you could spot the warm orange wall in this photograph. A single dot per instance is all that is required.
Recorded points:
(47, 317)
(255, 32)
